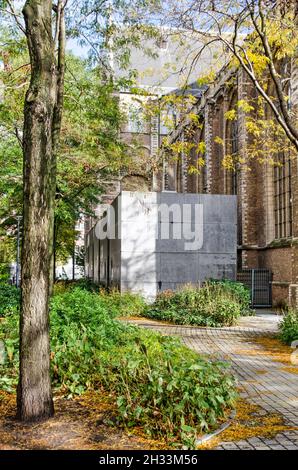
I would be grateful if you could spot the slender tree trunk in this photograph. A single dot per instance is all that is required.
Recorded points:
(55, 248)
(34, 389)
(57, 119)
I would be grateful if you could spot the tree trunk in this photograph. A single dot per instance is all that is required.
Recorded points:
(57, 119)
(34, 389)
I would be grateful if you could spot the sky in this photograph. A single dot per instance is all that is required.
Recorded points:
(73, 46)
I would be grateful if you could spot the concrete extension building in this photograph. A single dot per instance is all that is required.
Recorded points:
(151, 242)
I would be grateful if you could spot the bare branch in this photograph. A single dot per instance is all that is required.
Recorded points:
(16, 16)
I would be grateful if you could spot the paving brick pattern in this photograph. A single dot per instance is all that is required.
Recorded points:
(262, 380)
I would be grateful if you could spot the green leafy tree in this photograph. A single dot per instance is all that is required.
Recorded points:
(63, 158)
(89, 150)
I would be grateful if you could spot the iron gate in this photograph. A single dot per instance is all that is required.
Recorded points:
(259, 282)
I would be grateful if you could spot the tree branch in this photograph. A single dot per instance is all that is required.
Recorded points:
(16, 16)
(272, 70)
(250, 72)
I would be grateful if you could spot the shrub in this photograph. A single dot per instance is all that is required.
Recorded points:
(126, 304)
(156, 382)
(4, 273)
(239, 292)
(211, 305)
(288, 328)
(9, 299)
(66, 285)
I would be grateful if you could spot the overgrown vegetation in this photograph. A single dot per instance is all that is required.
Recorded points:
(117, 304)
(288, 328)
(157, 383)
(215, 304)
(239, 292)
(9, 299)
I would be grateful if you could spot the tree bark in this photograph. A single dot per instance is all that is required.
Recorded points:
(34, 389)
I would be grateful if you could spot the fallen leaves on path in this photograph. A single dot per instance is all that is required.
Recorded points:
(271, 348)
(250, 421)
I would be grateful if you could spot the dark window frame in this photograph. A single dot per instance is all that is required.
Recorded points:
(283, 206)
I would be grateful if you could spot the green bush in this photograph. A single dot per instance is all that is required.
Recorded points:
(157, 382)
(4, 273)
(9, 299)
(288, 328)
(62, 286)
(212, 305)
(125, 304)
(239, 292)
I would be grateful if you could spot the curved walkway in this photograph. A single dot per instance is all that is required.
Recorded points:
(263, 380)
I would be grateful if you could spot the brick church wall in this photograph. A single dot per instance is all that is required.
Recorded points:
(258, 247)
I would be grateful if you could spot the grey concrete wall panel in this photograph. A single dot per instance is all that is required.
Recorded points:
(140, 267)
(143, 262)
(115, 262)
(182, 267)
(103, 261)
(95, 259)
(147, 289)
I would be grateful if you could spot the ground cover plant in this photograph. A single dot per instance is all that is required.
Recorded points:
(288, 328)
(9, 299)
(157, 383)
(118, 304)
(215, 304)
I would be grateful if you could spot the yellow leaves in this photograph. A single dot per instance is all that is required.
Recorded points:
(180, 147)
(206, 79)
(248, 423)
(266, 139)
(196, 169)
(228, 162)
(244, 106)
(184, 100)
(253, 128)
(234, 63)
(193, 170)
(201, 147)
(139, 91)
(259, 61)
(194, 118)
(231, 115)
(201, 162)
(218, 140)
(283, 37)
(260, 106)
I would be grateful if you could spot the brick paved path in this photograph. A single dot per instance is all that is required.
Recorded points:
(263, 380)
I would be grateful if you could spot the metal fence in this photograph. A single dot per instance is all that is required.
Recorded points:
(259, 282)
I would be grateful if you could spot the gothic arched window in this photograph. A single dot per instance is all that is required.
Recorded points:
(283, 198)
